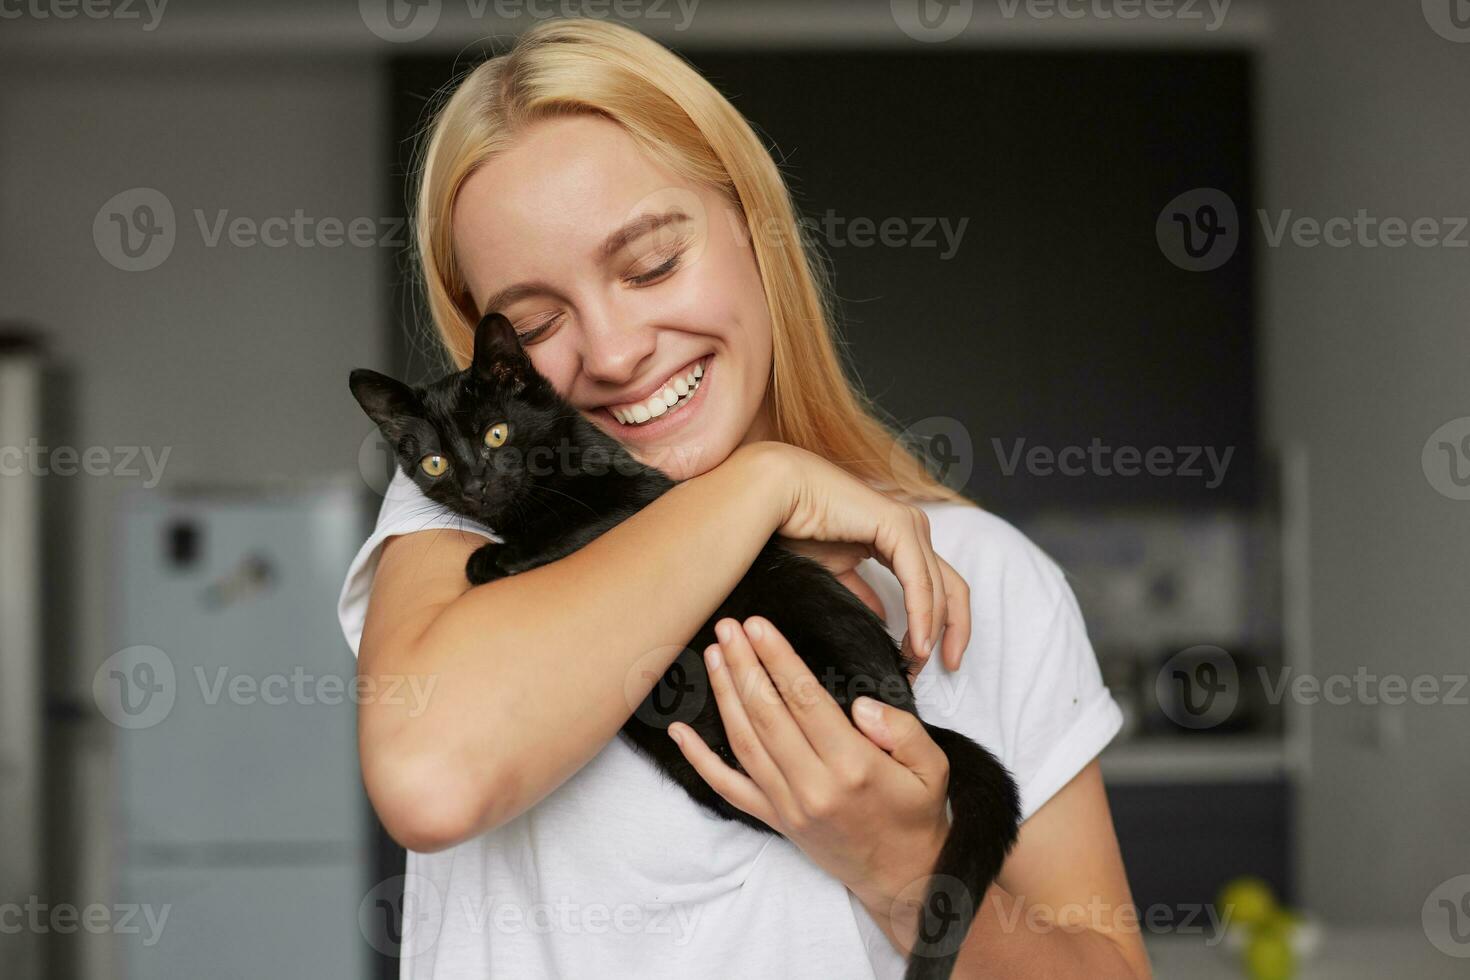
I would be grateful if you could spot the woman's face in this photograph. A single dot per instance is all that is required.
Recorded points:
(625, 283)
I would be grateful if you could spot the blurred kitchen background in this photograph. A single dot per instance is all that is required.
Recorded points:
(1068, 246)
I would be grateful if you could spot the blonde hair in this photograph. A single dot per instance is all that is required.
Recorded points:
(674, 114)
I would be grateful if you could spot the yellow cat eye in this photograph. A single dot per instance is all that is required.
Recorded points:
(496, 435)
(434, 464)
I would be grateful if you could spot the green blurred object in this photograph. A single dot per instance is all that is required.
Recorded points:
(1247, 901)
(1269, 955)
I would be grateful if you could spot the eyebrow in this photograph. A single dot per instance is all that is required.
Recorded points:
(635, 229)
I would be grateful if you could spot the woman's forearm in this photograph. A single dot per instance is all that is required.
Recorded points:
(533, 674)
(1013, 940)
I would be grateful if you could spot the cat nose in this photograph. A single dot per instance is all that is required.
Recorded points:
(474, 487)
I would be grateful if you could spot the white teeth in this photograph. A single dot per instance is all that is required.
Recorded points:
(670, 398)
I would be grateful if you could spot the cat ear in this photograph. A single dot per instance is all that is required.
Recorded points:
(387, 402)
(498, 354)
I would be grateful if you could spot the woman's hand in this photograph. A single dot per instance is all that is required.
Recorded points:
(839, 520)
(868, 805)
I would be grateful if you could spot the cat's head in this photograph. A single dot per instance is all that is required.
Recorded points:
(466, 438)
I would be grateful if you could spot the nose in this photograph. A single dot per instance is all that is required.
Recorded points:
(613, 348)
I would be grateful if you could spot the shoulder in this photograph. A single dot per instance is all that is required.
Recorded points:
(992, 554)
(1029, 686)
(405, 510)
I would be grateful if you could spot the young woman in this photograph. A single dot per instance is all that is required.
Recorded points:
(597, 191)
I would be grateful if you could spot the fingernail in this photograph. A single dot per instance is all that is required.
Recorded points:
(677, 735)
(713, 658)
(866, 710)
(754, 629)
(722, 630)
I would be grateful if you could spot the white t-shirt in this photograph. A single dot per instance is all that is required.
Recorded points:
(618, 874)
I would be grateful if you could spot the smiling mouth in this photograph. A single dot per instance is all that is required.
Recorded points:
(674, 395)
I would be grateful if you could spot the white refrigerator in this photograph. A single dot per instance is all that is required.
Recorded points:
(243, 832)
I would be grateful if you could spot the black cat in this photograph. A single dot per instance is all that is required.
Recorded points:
(497, 444)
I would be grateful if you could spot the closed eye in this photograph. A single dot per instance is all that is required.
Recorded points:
(663, 269)
(539, 328)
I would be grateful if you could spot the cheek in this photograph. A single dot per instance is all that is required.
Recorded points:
(556, 361)
(731, 297)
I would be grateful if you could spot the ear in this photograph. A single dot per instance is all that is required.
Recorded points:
(387, 402)
(499, 357)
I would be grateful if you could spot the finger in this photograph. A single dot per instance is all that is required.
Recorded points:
(738, 789)
(904, 556)
(820, 718)
(902, 736)
(777, 730)
(941, 606)
(744, 741)
(957, 633)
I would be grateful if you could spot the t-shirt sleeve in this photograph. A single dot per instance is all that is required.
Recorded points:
(1029, 687)
(405, 510)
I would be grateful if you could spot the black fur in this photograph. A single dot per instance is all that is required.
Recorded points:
(559, 481)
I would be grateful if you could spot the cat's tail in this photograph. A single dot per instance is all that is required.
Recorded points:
(986, 810)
